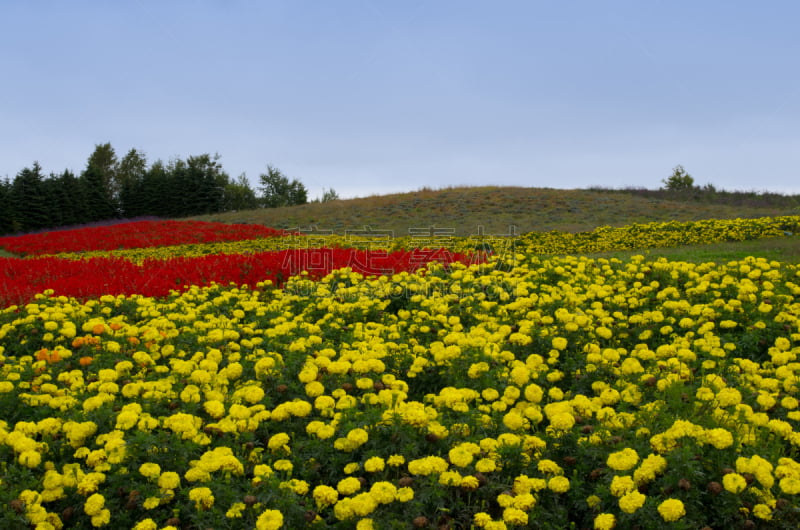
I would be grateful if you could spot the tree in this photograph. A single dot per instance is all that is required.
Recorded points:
(328, 195)
(6, 211)
(28, 199)
(208, 182)
(130, 172)
(66, 197)
(680, 180)
(239, 195)
(276, 190)
(104, 161)
(99, 204)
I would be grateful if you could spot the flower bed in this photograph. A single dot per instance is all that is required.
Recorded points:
(140, 234)
(518, 392)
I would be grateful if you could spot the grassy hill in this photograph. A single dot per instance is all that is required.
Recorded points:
(465, 209)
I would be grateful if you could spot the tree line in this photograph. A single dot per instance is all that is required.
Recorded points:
(110, 187)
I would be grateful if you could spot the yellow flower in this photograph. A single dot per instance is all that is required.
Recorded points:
(149, 470)
(631, 501)
(325, 495)
(396, 460)
(620, 485)
(558, 484)
(515, 516)
(374, 464)
(671, 510)
(623, 460)
(348, 486)
(202, 497)
(605, 521)
(280, 442)
(734, 482)
(270, 520)
(94, 504)
(169, 480)
(235, 511)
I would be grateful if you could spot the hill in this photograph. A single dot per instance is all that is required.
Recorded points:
(464, 210)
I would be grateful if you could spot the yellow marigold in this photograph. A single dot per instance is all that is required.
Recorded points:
(404, 494)
(562, 421)
(515, 516)
(149, 470)
(548, 466)
(269, 520)
(605, 521)
(734, 482)
(762, 511)
(94, 504)
(325, 495)
(279, 441)
(169, 480)
(631, 501)
(348, 486)
(235, 511)
(623, 460)
(620, 485)
(202, 497)
(671, 510)
(558, 484)
(374, 464)
(396, 460)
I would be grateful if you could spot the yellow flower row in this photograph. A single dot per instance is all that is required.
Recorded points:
(602, 239)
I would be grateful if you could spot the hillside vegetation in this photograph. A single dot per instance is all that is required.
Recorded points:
(463, 211)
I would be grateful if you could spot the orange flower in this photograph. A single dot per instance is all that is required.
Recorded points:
(115, 326)
(133, 340)
(85, 361)
(48, 356)
(78, 342)
(99, 329)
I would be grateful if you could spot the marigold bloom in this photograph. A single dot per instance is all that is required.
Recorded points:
(605, 521)
(671, 510)
(270, 520)
(734, 482)
(623, 460)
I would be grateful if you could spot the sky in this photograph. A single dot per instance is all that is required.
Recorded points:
(376, 97)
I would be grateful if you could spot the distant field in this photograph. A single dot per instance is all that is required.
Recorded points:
(785, 249)
(466, 210)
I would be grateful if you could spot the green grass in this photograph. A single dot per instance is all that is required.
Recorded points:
(4, 254)
(466, 210)
(784, 249)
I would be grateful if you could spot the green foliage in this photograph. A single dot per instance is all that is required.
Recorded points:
(28, 198)
(328, 196)
(277, 190)
(680, 180)
(239, 195)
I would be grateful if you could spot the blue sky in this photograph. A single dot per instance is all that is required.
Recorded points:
(376, 97)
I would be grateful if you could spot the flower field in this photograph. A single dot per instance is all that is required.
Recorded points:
(139, 234)
(395, 387)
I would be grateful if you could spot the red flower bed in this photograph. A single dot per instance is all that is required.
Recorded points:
(21, 279)
(137, 234)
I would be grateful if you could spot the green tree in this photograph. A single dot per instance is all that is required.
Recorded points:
(239, 195)
(130, 172)
(680, 180)
(104, 160)
(29, 202)
(277, 190)
(68, 203)
(328, 195)
(6, 210)
(208, 181)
